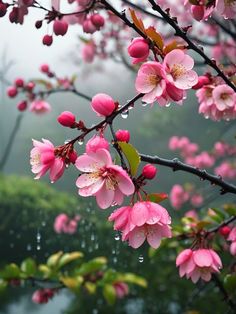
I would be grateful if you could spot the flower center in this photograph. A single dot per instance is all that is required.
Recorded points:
(224, 96)
(110, 178)
(177, 71)
(229, 2)
(35, 160)
(154, 79)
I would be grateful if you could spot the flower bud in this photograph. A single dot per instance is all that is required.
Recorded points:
(21, 106)
(89, 27)
(19, 82)
(202, 80)
(60, 27)
(123, 136)
(30, 86)
(149, 171)
(95, 143)
(3, 9)
(197, 12)
(47, 40)
(45, 68)
(103, 105)
(38, 24)
(138, 48)
(66, 118)
(73, 156)
(12, 91)
(97, 20)
(224, 231)
(42, 296)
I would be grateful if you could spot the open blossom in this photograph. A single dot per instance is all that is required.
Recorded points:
(63, 224)
(226, 170)
(39, 106)
(95, 143)
(232, 237)
(106, 181)
(224, 97)
(227, 8)
(150, 81)
(178, 67)
(198, 264)
(178, 196)
(42, 159)
(145, 220)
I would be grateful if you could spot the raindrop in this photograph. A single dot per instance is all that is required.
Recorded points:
(38, 237)
(125, 114)
(38, 247)
(83, 244)
(95, 311)
(117, 237)
(90, 249)
(168, 104)
(80, 141)
(43, 223)
(12, 245)
(206, 117)
(227, 119)
(114, 259)
(67, 141)
(92, 237)
(144, 104)
(11, 231)
(140, 258)
(131, 107)
(96, 247)
(29, 247)
(52, 182)
(113, 251)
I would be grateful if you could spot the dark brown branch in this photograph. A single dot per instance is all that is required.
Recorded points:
(177, 165)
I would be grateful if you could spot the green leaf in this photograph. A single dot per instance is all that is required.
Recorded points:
(45, 270)
(90, 287)
(68, 258)
(230, 209)
(73, 283)
(94, 265)
(131, 155)
(137, 280)
(157, 197)
(11, 271)
(109, 293)
(54, 259)
(28, 266)
(230, 283)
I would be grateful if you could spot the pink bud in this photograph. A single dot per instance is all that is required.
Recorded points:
(38, 24)
(89, 27)
(197, 12)
(224, 231)
(12, 91)
(22, 105)
(123, 136)
(47, 40)
(42, 295)
(103, 105)
(202, 80)
(73, 156)
(60, 27)
(44, 68)
(3, 9)
(138, 48)
(19, 82)
(30, 86)
(149, 171)
(97, 20)
(95, 143)
(66, 118)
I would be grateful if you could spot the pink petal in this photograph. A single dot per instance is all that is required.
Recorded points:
(87, 163)
(91, 189)
(202, 258)
(87, 180)
(153, 236)
(57, 169)
(105, 197)
(137, 237)
(183, 256)
(139, 214)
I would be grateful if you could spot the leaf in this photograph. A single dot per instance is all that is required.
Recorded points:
(131, 155)
(156, 37)
(11, 271)
(94, 265)
(28, 266)
(109, 293)
(202, 224)
(230, 209)
(157, 197)
(230, 283)
(137, 280)
(137, 22)
(54, 259)
(171, 46)
(68, 258)
(90, 286)
(73, 283)
(45, 270)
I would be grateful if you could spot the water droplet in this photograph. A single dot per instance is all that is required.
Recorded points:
(140, 258)
(83, 244)
(168, 104)
(38, 247)
(90, 249)
(43, 223)
(12, 245)
(95, 311)
(125, 114)
(117, 237)
(92, 237)
(206, 117)
(52, 182)
(227, 119)
(29, 247)
(80, 141)
(131, 107)
(113, 251)
(38, 237)
(67, 166)
(96, 246)
(144, 104)
(67, 141)
(114, 259)
(11, 231)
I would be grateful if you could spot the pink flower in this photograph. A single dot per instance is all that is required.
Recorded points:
(42, 159)
(123, 136)
(178, 67)
(232, 237)
(121, 288)
(103, 105)
(178, 196)
(106, 181)
(88, 52)
(95, 143)
(63, 224)
(196, 200)
(226, 170)
(198, 264)
(39, 106)
(227, 8)
(42, 295)
(122, 220)
(149, 221)
(138, 50)
(150, 81)
(224, 97)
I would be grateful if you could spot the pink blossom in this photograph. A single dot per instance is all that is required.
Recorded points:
(220, 149)
(178, 196)
(138, 50)
(42, 159)
(123, 136)
(63, 224)
(121, 288)
(149, 171)
(232, 237)
(150, 81)
(88, 51)
(103, 105)
(227, 8)
(42, 295)
(95, 143)
(106, 181)
(224, 97)
(196, 200)
(122, 220)
(226, 170)
(178, 67)
(146, 220)
(39, 106)
(200, 263)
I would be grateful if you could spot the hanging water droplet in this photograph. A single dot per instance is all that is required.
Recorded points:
(29, 247)
(227, 119)
(38, 237)
(38, 248)
(117, 237)
(206, 117)
(144, 104)
(43, 223)
(168, 104)
(83, 244)
(11, 231)
(131, 107)
(81, 141)
(67, 141)
(140, 258)
(114, 259)
(92, 237)
(67, 166)
(125, 114)
(95, 311)
(113, 251)
(90, 249)
(96, 246)
(12, 245)
(52, 182)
